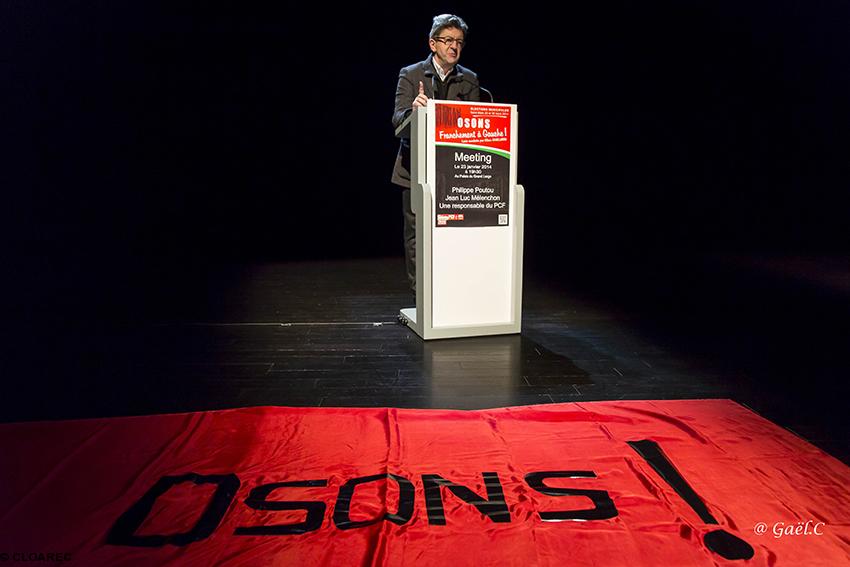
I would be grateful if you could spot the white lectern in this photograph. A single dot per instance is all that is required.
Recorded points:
(469, 219)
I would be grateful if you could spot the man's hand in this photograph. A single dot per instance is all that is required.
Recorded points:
(421, 99)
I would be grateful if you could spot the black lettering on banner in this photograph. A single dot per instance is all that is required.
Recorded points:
(258, 500)
(124, 529)
(342, 510)
(603, 506)
(721, 542)
(494, 507)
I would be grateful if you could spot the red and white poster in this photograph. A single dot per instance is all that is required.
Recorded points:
(473, 153)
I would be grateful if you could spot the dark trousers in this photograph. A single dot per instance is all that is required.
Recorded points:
(409, 239)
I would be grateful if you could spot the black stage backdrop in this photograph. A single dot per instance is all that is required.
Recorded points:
(143, 137)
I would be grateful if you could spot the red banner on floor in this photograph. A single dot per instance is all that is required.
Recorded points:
(606, 483)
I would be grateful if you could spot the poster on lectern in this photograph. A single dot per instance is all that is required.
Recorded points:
(473, 162)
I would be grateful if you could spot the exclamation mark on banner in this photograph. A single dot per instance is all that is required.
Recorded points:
(721, 542)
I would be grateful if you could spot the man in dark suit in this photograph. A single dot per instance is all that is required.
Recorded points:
(439, 77)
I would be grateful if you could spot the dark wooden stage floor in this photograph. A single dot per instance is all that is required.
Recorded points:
(325, 334)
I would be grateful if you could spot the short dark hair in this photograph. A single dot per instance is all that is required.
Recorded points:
(444, 21)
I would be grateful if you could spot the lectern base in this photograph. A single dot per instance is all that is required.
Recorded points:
(407, 316)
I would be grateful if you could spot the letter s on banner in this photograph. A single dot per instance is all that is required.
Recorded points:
(603, 506)
(258, 500)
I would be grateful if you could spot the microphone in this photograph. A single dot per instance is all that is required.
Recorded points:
(488, 93)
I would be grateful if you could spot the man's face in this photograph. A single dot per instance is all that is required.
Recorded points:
(446, 46)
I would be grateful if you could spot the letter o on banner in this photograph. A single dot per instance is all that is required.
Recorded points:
(124, 529)
(342, 511)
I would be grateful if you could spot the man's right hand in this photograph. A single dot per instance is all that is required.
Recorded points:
(421, 99)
